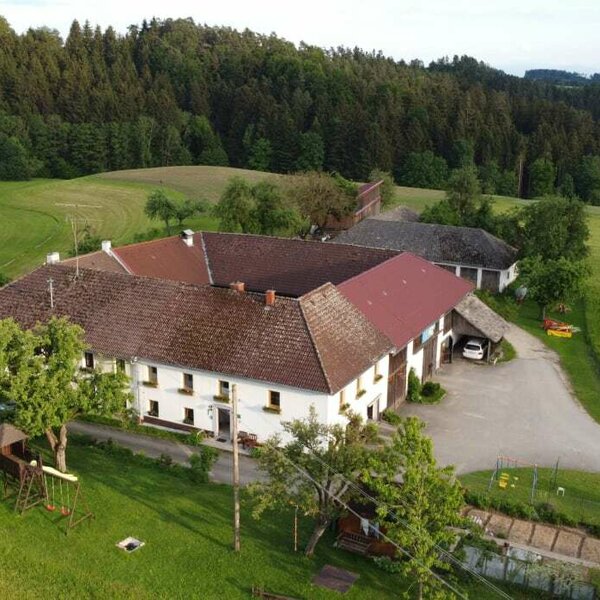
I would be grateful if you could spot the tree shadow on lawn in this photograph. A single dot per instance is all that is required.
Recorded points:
(161, 493)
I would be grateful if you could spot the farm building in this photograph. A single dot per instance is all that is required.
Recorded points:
(292, 323)
(468, 252)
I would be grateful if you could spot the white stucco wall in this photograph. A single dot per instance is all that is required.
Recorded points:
(253, 397)
(507, 276)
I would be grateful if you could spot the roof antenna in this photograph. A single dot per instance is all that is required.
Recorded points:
(51, 290)
(75, 242)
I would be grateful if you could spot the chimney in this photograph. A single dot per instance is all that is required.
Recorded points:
(52, 258)
(187, 235)
(107, 246)
(269, 297)
(238, 286)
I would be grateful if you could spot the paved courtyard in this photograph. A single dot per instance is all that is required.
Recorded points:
(523, 409)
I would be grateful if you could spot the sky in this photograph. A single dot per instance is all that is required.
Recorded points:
(512, 35)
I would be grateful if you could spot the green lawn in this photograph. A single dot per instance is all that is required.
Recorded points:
(198, 182)
(187, 530)
(34, 216)
(582, 490)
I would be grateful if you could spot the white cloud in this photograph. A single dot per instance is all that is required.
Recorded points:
(510, 34)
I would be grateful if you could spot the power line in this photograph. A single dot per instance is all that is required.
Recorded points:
(442, 550)
(345, 505)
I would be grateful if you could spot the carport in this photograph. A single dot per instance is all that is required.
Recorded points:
(474, 318)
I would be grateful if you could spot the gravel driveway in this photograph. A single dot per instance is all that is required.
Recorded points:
(523, 409)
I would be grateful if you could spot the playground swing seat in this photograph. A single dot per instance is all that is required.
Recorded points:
(503, 481)
(65, 507)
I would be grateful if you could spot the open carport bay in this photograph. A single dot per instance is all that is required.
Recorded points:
(523, 408)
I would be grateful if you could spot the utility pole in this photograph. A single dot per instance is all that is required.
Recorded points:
(236, 469)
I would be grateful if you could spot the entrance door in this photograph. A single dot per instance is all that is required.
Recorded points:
(429, 357)
(447, 350)
(373, 410)
(223, 423)
(397, 378)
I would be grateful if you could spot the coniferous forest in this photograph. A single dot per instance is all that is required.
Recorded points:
(175, 93)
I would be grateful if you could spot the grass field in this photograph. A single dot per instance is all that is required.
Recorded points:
(35, 216)
(194, 182)
(582, 490)
(187, 531)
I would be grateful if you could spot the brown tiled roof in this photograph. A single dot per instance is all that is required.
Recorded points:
(337, 329)
(10, 435)
(319, 342)
(100, 261)
(167, 258)
(292, 267)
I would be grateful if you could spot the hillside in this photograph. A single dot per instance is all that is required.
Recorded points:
(35, 216)
(197, 183)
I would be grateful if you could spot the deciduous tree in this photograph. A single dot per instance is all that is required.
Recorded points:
(312, 470)
(387, 188)
(160, 206)
(420, 512)
(40, 372)
(319, 196)
(235, 209)
(553, 281)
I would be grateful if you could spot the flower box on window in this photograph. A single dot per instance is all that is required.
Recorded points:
(377, 378)
(360, 393)
(272, 409)
(186, 391)
(152, 384)
(221, 398)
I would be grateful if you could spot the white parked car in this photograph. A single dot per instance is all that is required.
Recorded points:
(475, 349)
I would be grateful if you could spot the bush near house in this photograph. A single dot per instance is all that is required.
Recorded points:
(413, 393)
(432, 392)
(429, 392)
(389, 416)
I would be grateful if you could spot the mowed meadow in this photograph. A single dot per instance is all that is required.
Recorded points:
(35, 218)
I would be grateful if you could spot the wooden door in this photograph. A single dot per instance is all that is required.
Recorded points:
(397, 378)
(429, 357)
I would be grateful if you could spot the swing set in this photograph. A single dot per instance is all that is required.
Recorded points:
(63, 494)
(37, 483)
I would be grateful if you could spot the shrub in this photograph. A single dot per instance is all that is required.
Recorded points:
(503, 304)
(414, 387)
(389, 416)
(165, 460)
(201, 463)
(385, 563)
(432, 393)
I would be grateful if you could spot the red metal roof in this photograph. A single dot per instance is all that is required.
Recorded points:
(405, 295)
(169, 258)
